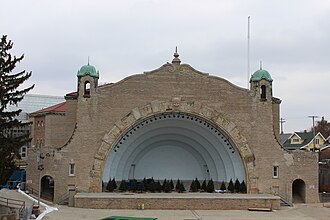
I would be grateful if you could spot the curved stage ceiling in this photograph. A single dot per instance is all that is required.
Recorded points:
(172, 146)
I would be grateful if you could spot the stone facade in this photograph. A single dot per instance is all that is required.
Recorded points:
(97, 117)
(177, 201)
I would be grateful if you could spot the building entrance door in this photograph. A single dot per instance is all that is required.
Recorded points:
(298, 191)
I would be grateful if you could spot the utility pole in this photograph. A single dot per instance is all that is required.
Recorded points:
(313, 118)
(282, 121)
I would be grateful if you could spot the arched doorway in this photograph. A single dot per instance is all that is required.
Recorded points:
(47, 188)
(174, 145)
(298, 191)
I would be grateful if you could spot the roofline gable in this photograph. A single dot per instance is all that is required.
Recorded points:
(319, 133)
(293, 135)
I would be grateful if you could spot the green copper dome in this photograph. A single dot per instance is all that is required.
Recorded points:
(88, 70)
(261, 74)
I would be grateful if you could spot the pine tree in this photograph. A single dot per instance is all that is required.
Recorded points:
(158, 186)
(242, 188)
(110, 186)
(152, 186)
(237, 186)
(122, 186)
(114, 183)
(164, 184)
(177, 185)
(140, 187)
(172, 185)
(167, 186)
(193, 186)
(210, 186)
(146, 185)
(204, 186)
(198, 185)
(223, 186)
(10, 95)
(231, 186)
(133, 185)
(181, 187)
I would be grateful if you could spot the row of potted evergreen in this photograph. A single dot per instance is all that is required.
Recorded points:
(150, 185)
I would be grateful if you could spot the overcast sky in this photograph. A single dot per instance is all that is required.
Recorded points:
(292, 38)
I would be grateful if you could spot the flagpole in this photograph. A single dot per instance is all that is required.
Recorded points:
(248, 53)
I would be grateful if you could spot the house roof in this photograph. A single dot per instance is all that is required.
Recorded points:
(307, 138)
(284, 138)
(58, 108)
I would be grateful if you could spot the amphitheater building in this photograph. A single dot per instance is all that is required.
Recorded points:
(172, 122)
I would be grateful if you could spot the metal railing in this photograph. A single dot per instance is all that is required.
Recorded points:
(31, 190)
(324, 197)
(63, 199)
(13, 203)
(284, 198)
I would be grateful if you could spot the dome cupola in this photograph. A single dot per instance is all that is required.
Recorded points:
(88, 70)
(260, 75)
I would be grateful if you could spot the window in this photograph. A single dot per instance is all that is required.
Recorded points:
(23, 152)
(295, 140)
(317, 141)
(275, 172)
(71, 169)
(263, 92)
(87, 88)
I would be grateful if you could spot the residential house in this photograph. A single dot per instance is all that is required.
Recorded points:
(304, 141)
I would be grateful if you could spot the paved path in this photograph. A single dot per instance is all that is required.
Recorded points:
(299, 212)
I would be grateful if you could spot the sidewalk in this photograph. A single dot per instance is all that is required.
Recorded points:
(314, 211)
(298, 212)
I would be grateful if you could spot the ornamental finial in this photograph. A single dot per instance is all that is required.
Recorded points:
(176, 57)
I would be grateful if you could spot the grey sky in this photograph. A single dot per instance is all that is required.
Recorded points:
(292, 38)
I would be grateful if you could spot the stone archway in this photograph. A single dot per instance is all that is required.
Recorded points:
(298, 191)
(190, 109)
(47, 188)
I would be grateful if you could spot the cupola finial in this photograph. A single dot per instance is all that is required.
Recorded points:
(260, 64)
(176, 57)
(88, 60)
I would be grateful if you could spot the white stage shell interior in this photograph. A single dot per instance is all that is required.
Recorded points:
(172, 146)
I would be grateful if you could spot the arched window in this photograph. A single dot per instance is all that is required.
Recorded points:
(263, 92)
(87, 88)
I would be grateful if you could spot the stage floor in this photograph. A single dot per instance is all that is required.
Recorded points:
(177, 201)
